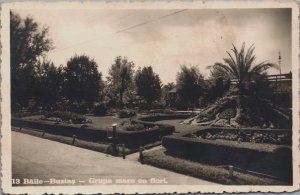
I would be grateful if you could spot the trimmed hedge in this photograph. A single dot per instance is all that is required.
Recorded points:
(100, 110)
(158, 117)
(68, 117)
(265, 158)
(153, 132)
(126, 113)
(245, 133)
(218, 174)
(88, 133)
(131, 139)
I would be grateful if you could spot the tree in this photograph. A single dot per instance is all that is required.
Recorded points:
(190, 84)
(28, 44)
(50, 79)
(121, 76)
(240, 65)
(168, 99)
(82, 79)
(217, 85)
(148, 84)
(241, 106)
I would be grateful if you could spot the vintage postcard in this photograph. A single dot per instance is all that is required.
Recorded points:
(149, 97)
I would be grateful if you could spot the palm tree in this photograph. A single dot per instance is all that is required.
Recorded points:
(241, 108)
(240, 66)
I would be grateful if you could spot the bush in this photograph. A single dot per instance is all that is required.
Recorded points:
(100, 110)
(128, 126)
(243, 155)
(68, 117)
(158, 158)
(126, 113)
(80, 108)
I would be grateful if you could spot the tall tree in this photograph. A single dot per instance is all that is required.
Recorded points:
(240, 65)
(121, 76)
(190, 84)
(217, 85)
(29, 44)
(148, 84)
(168, 99)
(82, 79)
(50, 79)
(241, 106)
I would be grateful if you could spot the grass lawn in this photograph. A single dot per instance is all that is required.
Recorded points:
(180, 128)
(100, 122)
(105, 121)
(158, 158)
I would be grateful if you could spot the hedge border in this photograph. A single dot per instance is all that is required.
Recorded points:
(158, 158)
(186, 136)
(131, 139)
(232, 152)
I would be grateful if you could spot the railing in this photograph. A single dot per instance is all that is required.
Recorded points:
(272, 78)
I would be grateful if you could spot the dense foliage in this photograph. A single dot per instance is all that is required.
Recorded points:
(82, 79)
(229, 97)
(100, 110)
(241, 66)
(68, 117)
(246, 103)
(29, 45)
(148, 84)
(191, 85)
(169, 101)
(50, 81)
(120, 77)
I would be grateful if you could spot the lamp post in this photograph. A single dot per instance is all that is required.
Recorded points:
(279, 63)
(114, 139)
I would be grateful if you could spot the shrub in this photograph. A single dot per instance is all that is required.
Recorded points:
(100, 110)
(133, 127)
(80, 108)
(243, 155)
(126, 113)
(227, 113)
(68, 117)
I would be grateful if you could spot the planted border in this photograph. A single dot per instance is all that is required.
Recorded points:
(132, 139)
(265, 158)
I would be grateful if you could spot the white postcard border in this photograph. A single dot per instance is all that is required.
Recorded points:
(130, 189)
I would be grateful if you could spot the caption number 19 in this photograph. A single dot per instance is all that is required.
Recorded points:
(15, 181)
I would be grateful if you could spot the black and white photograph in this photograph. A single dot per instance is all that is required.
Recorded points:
(151, 96)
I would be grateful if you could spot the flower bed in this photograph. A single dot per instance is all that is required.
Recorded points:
(133, 133)
(274, 136)
(67, 117)
(130, 135)
(271, 159)
(158, 117)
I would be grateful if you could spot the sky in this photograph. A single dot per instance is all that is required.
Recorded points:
(166, 39)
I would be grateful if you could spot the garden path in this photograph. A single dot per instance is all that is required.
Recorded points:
(34, 157)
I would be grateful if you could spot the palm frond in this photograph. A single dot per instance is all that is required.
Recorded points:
(249, 52)
(232, 66)
(236, 53)
(224, 68)
(263, 66)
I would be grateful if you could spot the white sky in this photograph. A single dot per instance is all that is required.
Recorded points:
(192, 37)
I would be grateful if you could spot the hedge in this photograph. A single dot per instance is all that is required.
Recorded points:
(131, 139)
(265, 158)
(158, 117)
(88, 133)
(243, 131)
